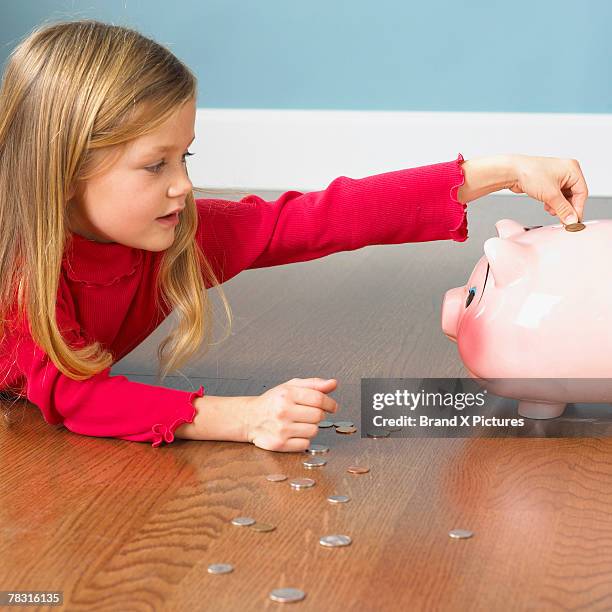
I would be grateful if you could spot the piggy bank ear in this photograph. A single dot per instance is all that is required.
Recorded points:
(508, 227)
(509, 260)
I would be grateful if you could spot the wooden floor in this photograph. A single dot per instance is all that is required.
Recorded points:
(119, 525)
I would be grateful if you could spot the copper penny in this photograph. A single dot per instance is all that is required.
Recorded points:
(346, 430)
(262, 527)
(355, 469)
(574, 227)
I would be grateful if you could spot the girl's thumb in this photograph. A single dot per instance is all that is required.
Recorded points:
(312, 382)
(564, 210)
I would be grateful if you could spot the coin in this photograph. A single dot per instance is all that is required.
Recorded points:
(243, 521)
(355, 469)
(460, 533)
(346, 430)
(276, 477)
(301, 483)
(333, 541)
(314, 462)
(338, 499)
(392, 429)
(317, 449)
(263, 527)
(574, 227)
(343, 423)
(286, 594)
(378, 433)
(220, 568)
(325, 423)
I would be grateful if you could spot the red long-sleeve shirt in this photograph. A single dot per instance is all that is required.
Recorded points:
(106, 289)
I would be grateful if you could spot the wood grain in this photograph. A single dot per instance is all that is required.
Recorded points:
(118, 525)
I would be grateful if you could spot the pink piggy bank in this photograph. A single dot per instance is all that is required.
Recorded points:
(538, 304)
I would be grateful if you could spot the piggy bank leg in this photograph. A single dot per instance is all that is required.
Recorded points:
(540, 410)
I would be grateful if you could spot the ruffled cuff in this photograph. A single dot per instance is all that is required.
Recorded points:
(165, 433)
(458, 217)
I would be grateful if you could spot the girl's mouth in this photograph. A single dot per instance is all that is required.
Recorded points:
(171, 219)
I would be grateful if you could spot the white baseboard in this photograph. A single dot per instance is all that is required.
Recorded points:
(305, 150)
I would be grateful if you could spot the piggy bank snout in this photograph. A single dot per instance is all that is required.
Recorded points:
(451, 309)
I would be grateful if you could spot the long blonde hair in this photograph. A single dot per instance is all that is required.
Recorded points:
(70, 91)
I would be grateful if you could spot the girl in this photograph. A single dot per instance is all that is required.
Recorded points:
(102, 237)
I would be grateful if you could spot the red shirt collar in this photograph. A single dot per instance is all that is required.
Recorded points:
(100, 263)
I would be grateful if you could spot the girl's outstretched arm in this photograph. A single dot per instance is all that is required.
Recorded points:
(410, 205)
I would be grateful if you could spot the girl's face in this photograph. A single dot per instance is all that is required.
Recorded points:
(146, 182)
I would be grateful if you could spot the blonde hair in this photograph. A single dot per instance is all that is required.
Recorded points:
(71, 91)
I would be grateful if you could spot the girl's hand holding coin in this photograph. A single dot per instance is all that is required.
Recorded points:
(558, 183)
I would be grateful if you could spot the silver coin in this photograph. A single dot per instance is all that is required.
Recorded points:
(314, 462)
(243, 521)
(394, 428)
(460, 533)
(335, 540)
(317, 449)
(325, 423)
(377, 433)
(301, 483)
(344, 424)
(287, 594)
(338, 499)
(220, 568)
(276, 477)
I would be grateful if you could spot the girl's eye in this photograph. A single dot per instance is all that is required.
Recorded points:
(155, 169)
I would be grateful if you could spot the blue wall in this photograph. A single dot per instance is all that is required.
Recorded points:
(520, 55)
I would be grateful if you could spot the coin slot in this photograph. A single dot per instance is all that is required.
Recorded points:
(485, 282)
(470, 296)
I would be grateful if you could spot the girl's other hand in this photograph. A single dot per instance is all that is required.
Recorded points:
(286, 417)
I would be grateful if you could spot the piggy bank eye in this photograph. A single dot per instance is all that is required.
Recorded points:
(470, 296)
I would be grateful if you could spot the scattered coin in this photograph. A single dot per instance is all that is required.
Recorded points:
(314, 462)
(378, 433)
(460, 533)
(394, 428)
(243, 521)
(335, 540)
(355, 469)
(301, 483)
(346, 430)
(276, 477)
(338, 499)
(220, 568)
(343, 423)
(317, 449)
(574, 227)
(325, 423)
(263, 527)
(287, 594)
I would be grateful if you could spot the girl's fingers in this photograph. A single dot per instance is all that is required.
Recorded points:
(296, 444)
(302, 430)
(306, 414)
(313, 398)
(579, 191)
